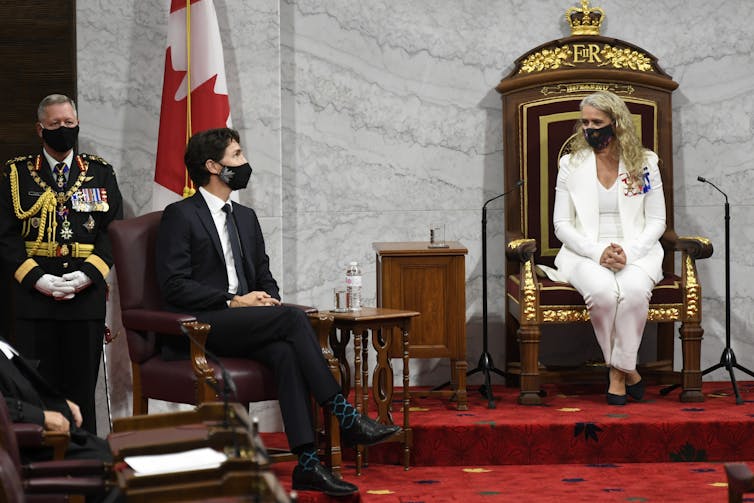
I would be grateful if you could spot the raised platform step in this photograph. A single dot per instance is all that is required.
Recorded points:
(659, 450)
(575, 425)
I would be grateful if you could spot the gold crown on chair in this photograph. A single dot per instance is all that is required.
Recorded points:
(585, 20)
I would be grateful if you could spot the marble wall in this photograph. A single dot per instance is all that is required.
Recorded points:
(367, 120)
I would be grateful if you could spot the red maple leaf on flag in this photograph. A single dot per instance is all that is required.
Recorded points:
(209, 108)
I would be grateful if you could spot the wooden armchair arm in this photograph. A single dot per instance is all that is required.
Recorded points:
(30, 435)
(199, 333)
(694, 246)
(306, 309)
(67, 468)
(149, 320)
(520, 248)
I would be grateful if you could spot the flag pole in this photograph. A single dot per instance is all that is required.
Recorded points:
(188, 188)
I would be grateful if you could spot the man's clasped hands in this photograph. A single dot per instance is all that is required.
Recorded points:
(63, 287)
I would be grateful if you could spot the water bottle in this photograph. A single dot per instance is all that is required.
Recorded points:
(353, 287)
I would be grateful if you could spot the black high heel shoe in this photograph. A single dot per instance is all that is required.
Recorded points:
(613, 399)
(636, 390)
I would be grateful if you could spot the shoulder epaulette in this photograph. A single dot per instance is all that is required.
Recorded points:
(95, 158)
(18, 159)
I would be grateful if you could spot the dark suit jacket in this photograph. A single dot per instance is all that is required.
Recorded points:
(190, 264)
(191, 267)
(27, 394)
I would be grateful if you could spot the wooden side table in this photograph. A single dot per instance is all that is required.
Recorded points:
(411, 275)
(381, 323)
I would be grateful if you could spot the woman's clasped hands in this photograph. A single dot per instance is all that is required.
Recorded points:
(614, 258)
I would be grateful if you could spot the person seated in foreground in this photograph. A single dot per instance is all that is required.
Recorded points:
(31, 399)
(211, 262)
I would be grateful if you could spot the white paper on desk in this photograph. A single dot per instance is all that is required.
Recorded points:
(196, 459)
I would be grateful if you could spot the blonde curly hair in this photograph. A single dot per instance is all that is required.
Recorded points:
(629, 147)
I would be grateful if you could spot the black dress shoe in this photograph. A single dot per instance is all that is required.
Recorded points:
(367, 431)
(321, 479)
(613, 399)
(636, 390)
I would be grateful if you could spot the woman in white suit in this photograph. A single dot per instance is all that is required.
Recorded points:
(609, 214)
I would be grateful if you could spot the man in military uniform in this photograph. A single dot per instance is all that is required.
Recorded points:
(54, 211)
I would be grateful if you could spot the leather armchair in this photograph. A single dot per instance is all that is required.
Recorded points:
(59, 477)
(182, 381)
(195, 380)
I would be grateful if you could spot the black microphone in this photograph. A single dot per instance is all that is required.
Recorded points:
(516, 186)
(229, 387)
(485, 364)
(704, 180)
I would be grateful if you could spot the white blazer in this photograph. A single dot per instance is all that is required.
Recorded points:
(576, 216)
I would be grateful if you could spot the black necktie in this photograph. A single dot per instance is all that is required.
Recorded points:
(61, 170)
(235, 246)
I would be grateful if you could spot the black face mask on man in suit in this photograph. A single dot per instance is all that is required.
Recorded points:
(236, 177)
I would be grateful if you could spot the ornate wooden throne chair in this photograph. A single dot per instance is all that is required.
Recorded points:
(540, 100)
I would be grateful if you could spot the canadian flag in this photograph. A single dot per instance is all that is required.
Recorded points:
(194, 93)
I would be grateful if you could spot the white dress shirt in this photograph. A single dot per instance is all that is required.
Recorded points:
(215, 205)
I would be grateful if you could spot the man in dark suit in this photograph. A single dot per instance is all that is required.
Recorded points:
(31, 399)
(212, 263)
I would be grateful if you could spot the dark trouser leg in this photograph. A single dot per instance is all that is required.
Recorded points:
(293, 392)
(69, 353)
(241, 331)
(282, 338)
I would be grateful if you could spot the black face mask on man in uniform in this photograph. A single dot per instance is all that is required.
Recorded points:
(61, 139)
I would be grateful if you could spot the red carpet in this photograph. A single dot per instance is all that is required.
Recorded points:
(639, 482)
(582, 448)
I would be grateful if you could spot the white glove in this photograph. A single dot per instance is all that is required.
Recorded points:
(77, 279)
(55, 286)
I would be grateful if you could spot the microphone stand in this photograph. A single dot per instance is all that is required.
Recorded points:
(485, 364)
(228, 388)
(728, 358)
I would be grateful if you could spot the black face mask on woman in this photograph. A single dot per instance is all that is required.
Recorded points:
(237, 177)
(61, 139)
(599, 138)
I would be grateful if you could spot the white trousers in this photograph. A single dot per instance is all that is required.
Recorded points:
(618, 304)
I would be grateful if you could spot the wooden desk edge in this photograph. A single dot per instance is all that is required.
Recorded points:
(403, 248)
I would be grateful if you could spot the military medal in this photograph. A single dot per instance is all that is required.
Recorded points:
(64, 250)
(66, 232)
(90, 199)
(89, 224)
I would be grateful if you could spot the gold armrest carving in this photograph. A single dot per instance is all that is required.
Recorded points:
(522, 249)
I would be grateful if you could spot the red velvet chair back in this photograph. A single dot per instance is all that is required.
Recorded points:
(8, 440)
(11, 490)
(133, 242)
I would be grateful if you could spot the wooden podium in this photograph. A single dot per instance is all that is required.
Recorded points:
(244, 476)
(413, 276)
